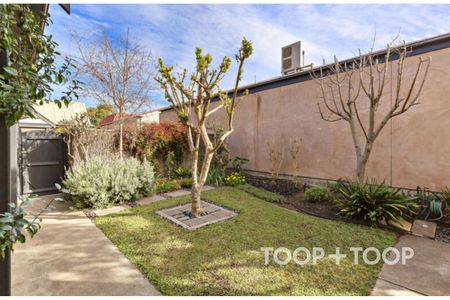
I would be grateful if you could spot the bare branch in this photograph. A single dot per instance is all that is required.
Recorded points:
(372, 69)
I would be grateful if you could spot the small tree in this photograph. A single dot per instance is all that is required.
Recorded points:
(275, 158)
(349, 87)
(121, 76)
(191, 100)
(98, 113)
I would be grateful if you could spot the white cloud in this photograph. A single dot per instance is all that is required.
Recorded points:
(173, 31)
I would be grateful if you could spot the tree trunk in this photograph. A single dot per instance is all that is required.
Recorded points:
(360, 171)
(362, 162)
(120, 139)
(200, 182)
(196, 204)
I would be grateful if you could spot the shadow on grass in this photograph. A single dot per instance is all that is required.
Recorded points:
(225, 258)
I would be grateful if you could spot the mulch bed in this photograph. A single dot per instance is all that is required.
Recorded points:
(328, 211)
(295, 200)
(443, 230)
(281, 186)
(320, 209)
(324, 210)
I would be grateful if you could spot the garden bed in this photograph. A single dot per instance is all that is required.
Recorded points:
(328, 211)
(283, 187)
(226, 258)
(324, 210)
(443, 230)
(320, 209)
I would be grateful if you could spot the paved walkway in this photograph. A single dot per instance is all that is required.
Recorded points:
(427, 273)
(70, 256)
(143, 201)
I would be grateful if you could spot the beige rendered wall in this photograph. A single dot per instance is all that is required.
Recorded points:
(413, 150)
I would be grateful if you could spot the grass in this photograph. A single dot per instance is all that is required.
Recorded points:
(261, 193)
(225, 258)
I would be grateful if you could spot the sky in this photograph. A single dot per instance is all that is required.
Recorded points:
(173, 31)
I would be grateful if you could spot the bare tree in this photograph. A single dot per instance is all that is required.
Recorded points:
(352, 86)
(119, 74)
(191, 100)
(275, 158)
(294, 152)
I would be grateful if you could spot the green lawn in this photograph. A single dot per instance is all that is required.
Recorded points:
(225, 258)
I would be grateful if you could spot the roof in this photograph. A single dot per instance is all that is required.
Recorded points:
(39, 122)
(417, 48)
(115, 117)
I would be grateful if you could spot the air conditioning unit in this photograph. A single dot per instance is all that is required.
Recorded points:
(292, 58)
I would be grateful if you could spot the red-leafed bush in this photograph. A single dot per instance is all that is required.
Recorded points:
(164, 142)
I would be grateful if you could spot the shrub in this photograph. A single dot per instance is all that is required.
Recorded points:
(164, 143)
(181, 172)
(215, 176)
(185, 183)
(84, 142)
(374, 202)
(234, 179)
(165, 186)
(238, 163)
(98, 183)
(169, 185)
(333, 188)
(317, 194)
(261, 193)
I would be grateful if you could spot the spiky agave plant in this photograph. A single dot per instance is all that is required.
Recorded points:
(374, 202)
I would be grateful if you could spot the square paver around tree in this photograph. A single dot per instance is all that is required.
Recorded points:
(180, 215)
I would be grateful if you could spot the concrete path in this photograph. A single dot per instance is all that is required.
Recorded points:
(143, 201)
(71, 256)
(427, 273)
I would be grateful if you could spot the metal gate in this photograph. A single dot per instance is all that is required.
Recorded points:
(42, 160)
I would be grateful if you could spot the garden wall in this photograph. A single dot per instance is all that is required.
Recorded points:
(413, 149)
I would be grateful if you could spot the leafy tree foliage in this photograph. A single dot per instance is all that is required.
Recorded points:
(14, 224)
(32, 67)
(98, 113)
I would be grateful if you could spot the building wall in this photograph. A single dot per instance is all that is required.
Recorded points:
(57, 114)
(150, 117)
(412, 150)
